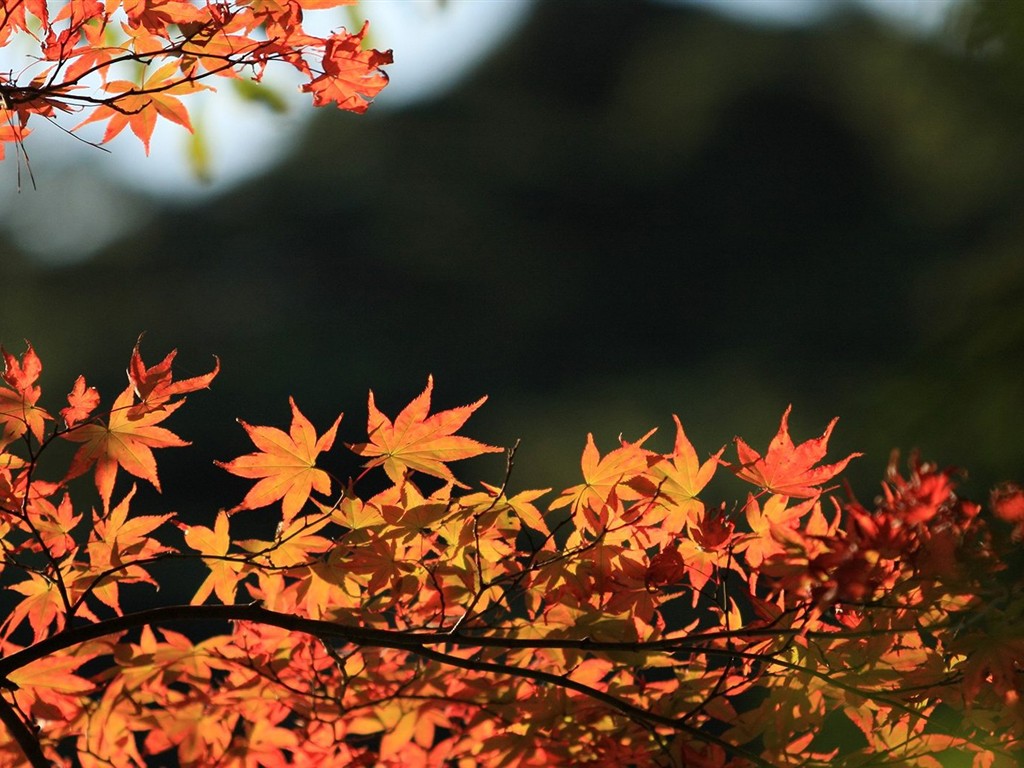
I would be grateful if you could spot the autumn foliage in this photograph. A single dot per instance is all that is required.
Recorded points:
(397, 615)
(129, 63)
(429, 621)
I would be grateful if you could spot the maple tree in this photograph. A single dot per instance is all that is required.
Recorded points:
(128, 63)
(427, 621)
(400, 616)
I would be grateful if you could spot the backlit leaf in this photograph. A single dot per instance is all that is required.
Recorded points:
(418, 441)
(123, 442)
(788, 469)
(285, 464)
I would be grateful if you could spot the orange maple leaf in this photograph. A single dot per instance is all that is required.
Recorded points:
(41, 605)
(18, 410)
(137, 106)
(14, 134)
(157, 15)
(605, 479)
(416, 441)
(224, 571)
(116, 541)
(788, 469)
(285, 465)
(124, 441)
(55, 524)
(55, 673)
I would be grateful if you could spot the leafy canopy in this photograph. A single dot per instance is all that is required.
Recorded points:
(400, 617)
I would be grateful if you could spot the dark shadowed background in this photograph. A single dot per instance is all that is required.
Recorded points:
(628, 210)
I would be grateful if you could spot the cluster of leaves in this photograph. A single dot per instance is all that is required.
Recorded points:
(430, 623)
(127, 62)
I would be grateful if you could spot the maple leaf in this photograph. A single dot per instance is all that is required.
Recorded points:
(83, 17)
(53, 672)
(189, 728)
(137, 106)
(378, 559)
(416, 441)
(14, 16)
(295, 543)
(682, 477)
(264, 743)
(22, 375)
(116, 542)
(14, 134)
(285, 464)
(154, 386)
(42, 606)
(172, 658)
(788, 469)
(82, 401)
(771, 528)
(124, 442)
(156, 15)
(55, 524)
(666, 567)
(706, 548)
(18, 410)
(521, 505)
(1007, 501)
(224, 571)
(604, 479)
(351, 77)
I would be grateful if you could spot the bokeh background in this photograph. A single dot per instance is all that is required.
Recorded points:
(616, 211)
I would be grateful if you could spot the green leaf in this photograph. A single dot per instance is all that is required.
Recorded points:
(198, 150)
(260, 93)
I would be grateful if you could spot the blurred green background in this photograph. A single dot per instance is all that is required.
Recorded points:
(628, 210)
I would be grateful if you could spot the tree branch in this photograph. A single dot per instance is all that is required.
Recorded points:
(22, 734)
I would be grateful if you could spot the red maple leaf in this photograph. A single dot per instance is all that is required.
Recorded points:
(22, 375)
(788, 469)
(666, 567)
(154, 386)
(82, 401)
(351, 77)
(1008, 505)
